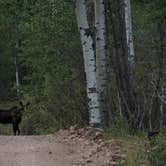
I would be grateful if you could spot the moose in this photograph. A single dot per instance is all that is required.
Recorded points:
(13, 116)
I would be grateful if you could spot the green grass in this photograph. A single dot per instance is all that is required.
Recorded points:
(134, 147)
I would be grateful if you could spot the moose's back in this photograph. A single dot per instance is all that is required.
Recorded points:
(6, 116)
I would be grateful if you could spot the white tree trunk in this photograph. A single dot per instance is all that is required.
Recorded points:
(17, 75)
(161, 107)
(15, 51)
(101, 59)
(89, 62)
(129, 34)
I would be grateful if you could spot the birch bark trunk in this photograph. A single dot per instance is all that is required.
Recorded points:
(101, 61)
(89, 62)
(16, 70)
(17, 75)
(129, 33)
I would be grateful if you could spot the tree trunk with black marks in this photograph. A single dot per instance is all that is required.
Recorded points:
(89, 62)
(101, 61)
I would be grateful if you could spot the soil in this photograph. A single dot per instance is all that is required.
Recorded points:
(73, 147)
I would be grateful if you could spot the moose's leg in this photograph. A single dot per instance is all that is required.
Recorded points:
(18, 129)
(14, 128)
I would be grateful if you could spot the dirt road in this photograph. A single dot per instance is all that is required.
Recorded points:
(64, 148)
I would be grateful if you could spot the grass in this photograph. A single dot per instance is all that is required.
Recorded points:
(134, 147)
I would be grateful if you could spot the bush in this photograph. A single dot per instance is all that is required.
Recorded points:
(119, 127)
(157, 154)
(39, 121)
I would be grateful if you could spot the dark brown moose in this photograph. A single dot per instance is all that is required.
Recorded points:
(13, 116)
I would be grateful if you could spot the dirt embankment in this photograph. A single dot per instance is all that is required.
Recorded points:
(74, 147)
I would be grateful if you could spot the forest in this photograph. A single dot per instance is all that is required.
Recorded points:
(100, 63)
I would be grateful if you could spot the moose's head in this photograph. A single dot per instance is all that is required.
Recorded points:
(24, 106)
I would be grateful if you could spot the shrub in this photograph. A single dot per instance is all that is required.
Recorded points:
(157, 154)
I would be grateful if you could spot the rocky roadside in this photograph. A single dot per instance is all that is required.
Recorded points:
(89, 148)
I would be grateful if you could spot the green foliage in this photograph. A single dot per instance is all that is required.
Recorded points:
(38, 121)
(157, 154)
(119, 127)
(43, 35)
(52, 55)
(135, 147)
